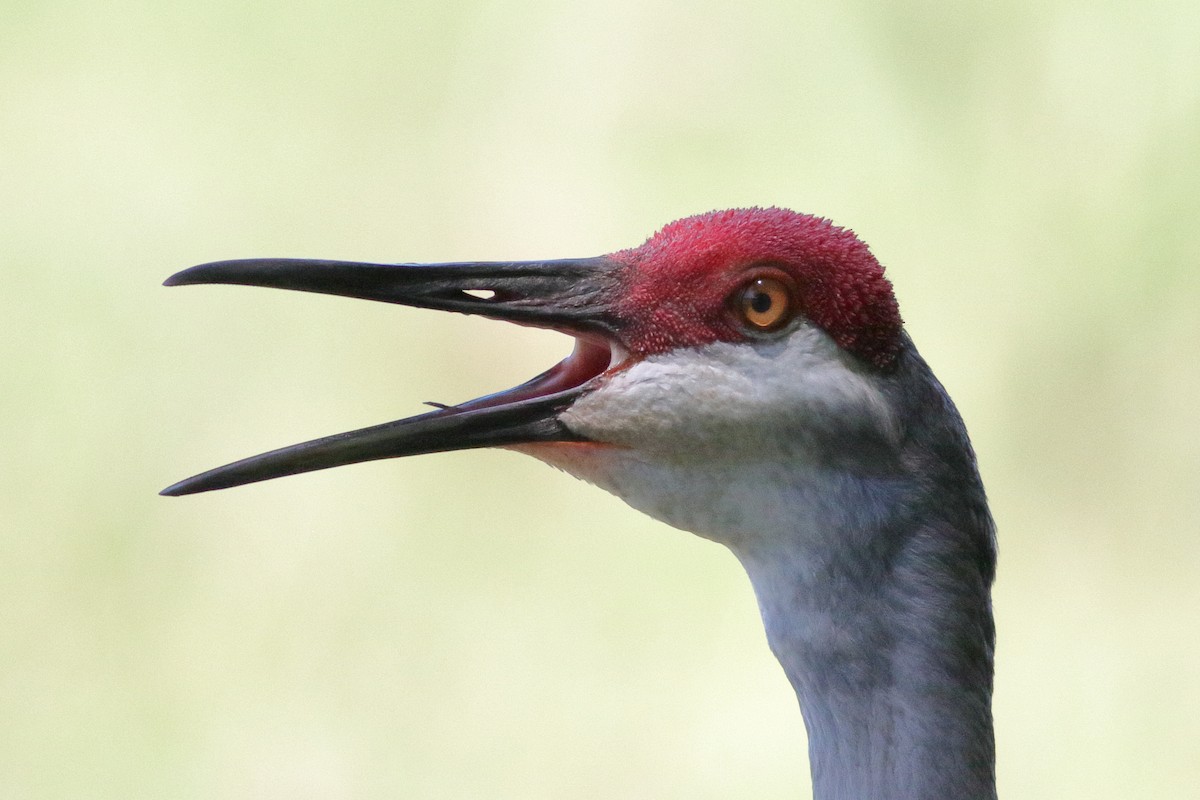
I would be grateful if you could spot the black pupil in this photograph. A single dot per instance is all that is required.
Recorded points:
(761, 302)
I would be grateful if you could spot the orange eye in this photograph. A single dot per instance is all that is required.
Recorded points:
(765, 304)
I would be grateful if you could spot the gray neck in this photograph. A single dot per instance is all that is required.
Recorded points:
(893, 670)
(852, 499)
(877, 604)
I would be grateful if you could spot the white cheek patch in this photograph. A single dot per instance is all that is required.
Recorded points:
(729, 441)
(731, 401)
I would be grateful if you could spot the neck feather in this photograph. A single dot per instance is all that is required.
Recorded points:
(861, 520)
(875, 594)
(892, 664)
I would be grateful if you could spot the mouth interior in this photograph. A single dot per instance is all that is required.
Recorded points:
(591, 358)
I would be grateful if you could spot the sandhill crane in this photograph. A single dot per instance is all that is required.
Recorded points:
(743, 375)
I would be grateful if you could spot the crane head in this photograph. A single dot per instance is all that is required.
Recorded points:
(743, 375)
(727, 341)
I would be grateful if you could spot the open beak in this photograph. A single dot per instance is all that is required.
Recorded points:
(572, 296)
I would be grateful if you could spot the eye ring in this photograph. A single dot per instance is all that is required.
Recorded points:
(764, 304)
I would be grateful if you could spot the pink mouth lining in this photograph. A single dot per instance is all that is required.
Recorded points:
(590, 359)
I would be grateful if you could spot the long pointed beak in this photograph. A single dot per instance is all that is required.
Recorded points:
(572, 296)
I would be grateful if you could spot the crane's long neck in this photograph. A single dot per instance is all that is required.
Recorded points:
(853, 500)
(891, 658)
(874, 591)
(874, 584)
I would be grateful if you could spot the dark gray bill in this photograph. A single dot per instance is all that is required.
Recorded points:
(568, 295)
(533, 420)
(565, 294)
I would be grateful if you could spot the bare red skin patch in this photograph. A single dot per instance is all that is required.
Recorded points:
(679, 282)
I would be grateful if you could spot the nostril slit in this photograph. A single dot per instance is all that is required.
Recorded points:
(481, 294)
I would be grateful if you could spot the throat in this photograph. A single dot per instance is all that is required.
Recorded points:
(875, 595)
(853, 501)
(890, 659)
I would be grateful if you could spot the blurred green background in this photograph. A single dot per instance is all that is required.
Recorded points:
(476, 624)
